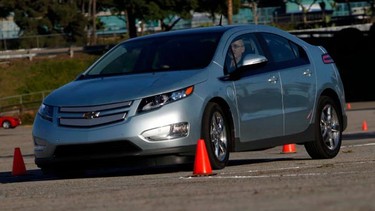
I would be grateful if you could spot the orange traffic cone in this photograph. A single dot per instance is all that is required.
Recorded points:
(202, 166)
(364, 126)
(289, 148)
(348, 106)
(19, 167)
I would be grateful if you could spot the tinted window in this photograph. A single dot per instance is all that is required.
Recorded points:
(284, 51)
(241, 46)
(164, 53)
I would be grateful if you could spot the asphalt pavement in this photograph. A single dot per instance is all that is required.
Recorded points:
(361, 124)
(361, 118)
(259, 180)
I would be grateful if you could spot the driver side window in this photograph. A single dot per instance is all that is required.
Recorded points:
(239, 47)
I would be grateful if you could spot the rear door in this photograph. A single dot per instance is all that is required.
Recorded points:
(297, 81)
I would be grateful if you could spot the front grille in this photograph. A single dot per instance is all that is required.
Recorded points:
(108, 149)
(92, 116)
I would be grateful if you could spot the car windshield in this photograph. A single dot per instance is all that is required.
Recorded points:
(161, 53)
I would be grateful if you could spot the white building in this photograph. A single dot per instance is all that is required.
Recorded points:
(8, 28)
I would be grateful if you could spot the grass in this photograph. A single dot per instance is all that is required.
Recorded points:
(21, 76)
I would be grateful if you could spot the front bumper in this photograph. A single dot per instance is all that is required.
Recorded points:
(56, 144)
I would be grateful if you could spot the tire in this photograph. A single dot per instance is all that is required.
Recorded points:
(328, 131)
(6, 124)
(216, 134)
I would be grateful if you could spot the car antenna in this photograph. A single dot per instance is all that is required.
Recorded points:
(221, 19)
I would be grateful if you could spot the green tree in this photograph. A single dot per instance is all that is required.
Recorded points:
(43, 17)
(171, 8)
(76, 30)
(6, 7)
(305, 8)
(148, 10)
(220, 7)
(31, 15)
(227, 8)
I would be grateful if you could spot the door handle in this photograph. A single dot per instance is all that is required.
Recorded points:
(307, 72)
(273, 79)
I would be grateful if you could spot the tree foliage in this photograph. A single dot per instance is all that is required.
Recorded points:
(75, 18)
(44, 17)
(6, 7)
(218, 7)
(162, 10)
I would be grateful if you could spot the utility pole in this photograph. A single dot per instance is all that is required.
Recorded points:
(230, 11)
(94, 22)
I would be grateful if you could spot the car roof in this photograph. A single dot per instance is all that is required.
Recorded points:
(221, 29)
(198, 30)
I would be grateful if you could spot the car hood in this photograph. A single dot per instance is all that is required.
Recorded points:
(111, 89)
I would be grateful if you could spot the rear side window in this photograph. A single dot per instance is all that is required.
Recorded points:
(284, 51)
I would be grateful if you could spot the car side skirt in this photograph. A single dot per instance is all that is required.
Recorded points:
(300, 138)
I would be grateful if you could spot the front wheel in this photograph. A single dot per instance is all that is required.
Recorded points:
(6, 124)
(328, 131)
(216, 134)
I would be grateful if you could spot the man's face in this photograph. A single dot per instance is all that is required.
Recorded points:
(238, 49)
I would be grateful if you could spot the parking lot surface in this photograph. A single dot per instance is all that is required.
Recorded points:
(260, 180)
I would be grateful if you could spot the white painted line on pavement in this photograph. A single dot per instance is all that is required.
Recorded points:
(359, 145)
(264, 171)
(270, 176)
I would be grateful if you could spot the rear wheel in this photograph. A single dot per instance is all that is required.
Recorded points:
(216, 134)
(6, 124)
(328, 131)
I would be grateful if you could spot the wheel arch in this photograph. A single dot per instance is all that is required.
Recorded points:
(333, 95)
(229, 115)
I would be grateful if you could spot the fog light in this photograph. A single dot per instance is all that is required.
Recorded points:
(39, 145)
(39, 148)
(167, 132)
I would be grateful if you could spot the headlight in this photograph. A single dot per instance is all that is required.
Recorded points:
(46, 112)
(157, 101)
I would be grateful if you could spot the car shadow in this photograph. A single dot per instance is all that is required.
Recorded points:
(240, 162)
(35, 175)
(358, 135)
(38, 175)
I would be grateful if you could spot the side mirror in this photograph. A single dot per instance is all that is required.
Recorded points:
(253, 59)
(250, 61)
